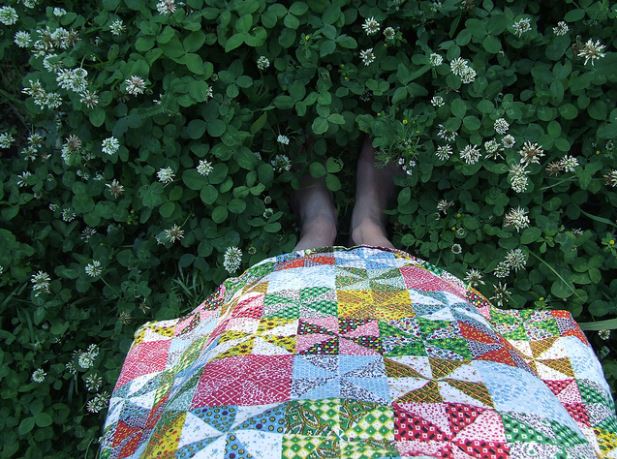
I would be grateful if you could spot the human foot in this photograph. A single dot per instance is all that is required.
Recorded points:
(315, 208)
(374, 190)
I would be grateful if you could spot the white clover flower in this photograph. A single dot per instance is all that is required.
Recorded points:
(458, 66)
(370, 26)
(446, 134)
(85, 360)
(473, 277)
(517, 218)
(502, 294)
(232, 259)
(53, 100)
(110, 145)
(94, 269)
(59, 12)
(38, 375)
(22, 39)
(521, 27)
(204, 168)
(115, 188)
(68, 215)
(6, 139)
(263, 63)
(468, 75)
(209, 93)
(281, 163)
(518, 178)
(72, 79)
(135, 85)
(508, 141)
(282, 139)
(491, 146)
(531, 153)
(117, 27)
(456, 249)
(501, 126)
(389, 33)
(592, 51)
(501, 270)
(173, 234)
(443, 152)
(516, 259)
(40, 283)
(443, 206)
(8, 15)
(93, 382)
(435, 60)
(97, 403)
(569, 163)
(604, 334)
(561, 28)
(470, 154)
(437, 101)
(22, 179)
(407, 166)
(267, 213)
(87, 233)
(89, 98)
(367, 56)
(166, 175)
(610, 178)
(166, 7)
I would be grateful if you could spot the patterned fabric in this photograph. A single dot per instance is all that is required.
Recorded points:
(359, 352)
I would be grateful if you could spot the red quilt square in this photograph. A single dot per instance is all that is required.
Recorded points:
(144, 358)
(245, 380)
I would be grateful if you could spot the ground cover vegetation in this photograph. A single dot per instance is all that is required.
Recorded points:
(148, 150)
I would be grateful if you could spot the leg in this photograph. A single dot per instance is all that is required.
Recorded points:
(317, 214)
(374, 189)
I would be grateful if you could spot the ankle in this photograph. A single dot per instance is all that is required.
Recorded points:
(370, 232)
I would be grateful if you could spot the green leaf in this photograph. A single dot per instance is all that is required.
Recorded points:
(345, 41)
(333, 183)
(299, 8)
(194, 63)
(568, 111)
(208, 195)
(97, 116)
(334, 165)
(236, 206)
(234, 41)
(317, 169)
(216, 127)
(196, 129)
(194, 41)
(291, 22)
(530, 235)
(167, 209)
(219, 214)
(320, 125)
(458, 107)
(491, 44)
(43, 419)
(336, 118)
(151, 195)
(259, 123)
(472, 123)
(25, 426)
(193, 180)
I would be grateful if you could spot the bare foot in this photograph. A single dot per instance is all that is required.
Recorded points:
(315, 208)
(374, 189)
